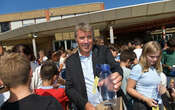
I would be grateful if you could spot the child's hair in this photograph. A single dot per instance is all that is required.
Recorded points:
(112, 47)
(123, 47)
(22, 48)
(171, 45)
(48, 70)
(56, 54)
(14, 69)
(127, 55)
(137, 42)
(150, 47)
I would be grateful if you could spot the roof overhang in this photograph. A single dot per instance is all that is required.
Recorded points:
(131, 17)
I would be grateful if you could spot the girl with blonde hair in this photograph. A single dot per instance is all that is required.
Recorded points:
(145, 77)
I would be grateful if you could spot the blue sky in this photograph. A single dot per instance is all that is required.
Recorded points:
(12, 6)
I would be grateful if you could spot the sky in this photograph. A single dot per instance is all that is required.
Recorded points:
(13, 6)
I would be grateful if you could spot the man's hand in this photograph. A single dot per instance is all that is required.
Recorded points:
(112, 82)
(116, 79)
(89, 106)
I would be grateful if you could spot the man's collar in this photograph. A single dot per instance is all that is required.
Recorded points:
(83, 55)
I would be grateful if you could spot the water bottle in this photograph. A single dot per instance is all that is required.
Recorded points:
(155, 93)
(107, 94)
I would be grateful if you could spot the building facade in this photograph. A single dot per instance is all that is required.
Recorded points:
(14, 21)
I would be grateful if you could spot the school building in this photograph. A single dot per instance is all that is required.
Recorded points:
(53, 28)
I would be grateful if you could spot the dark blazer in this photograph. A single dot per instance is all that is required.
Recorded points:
(75, 82)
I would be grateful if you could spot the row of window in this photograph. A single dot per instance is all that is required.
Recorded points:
(5, 26)
(70, 44)
(158, 37)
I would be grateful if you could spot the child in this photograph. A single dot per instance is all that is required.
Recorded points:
(127, 58)
(49, 74)
(15, 75)
(168, 60)
(145, 77)
(62, 65)
(168, 97)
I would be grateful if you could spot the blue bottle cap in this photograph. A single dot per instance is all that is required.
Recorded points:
(105, 67)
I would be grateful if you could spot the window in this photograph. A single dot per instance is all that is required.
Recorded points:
(4, 27)
(61, 44)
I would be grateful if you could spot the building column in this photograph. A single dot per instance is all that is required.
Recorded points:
(65, 44)
(34, 47)
(59, 44)
(111, 35)
(71, 44)
(163, 32)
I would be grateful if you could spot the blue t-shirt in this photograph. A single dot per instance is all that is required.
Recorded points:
(147, 82)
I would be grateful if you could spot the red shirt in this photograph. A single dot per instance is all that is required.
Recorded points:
(59, 94)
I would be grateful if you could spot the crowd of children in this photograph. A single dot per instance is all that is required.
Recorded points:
(29, 84)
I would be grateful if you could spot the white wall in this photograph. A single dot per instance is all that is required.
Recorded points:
(55, 18)
(15, 24)
(28, 22)
(67, 16)
(81, 14)
(40, 20)
(18, 24)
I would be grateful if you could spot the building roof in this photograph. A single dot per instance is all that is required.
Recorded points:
(66, 10)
